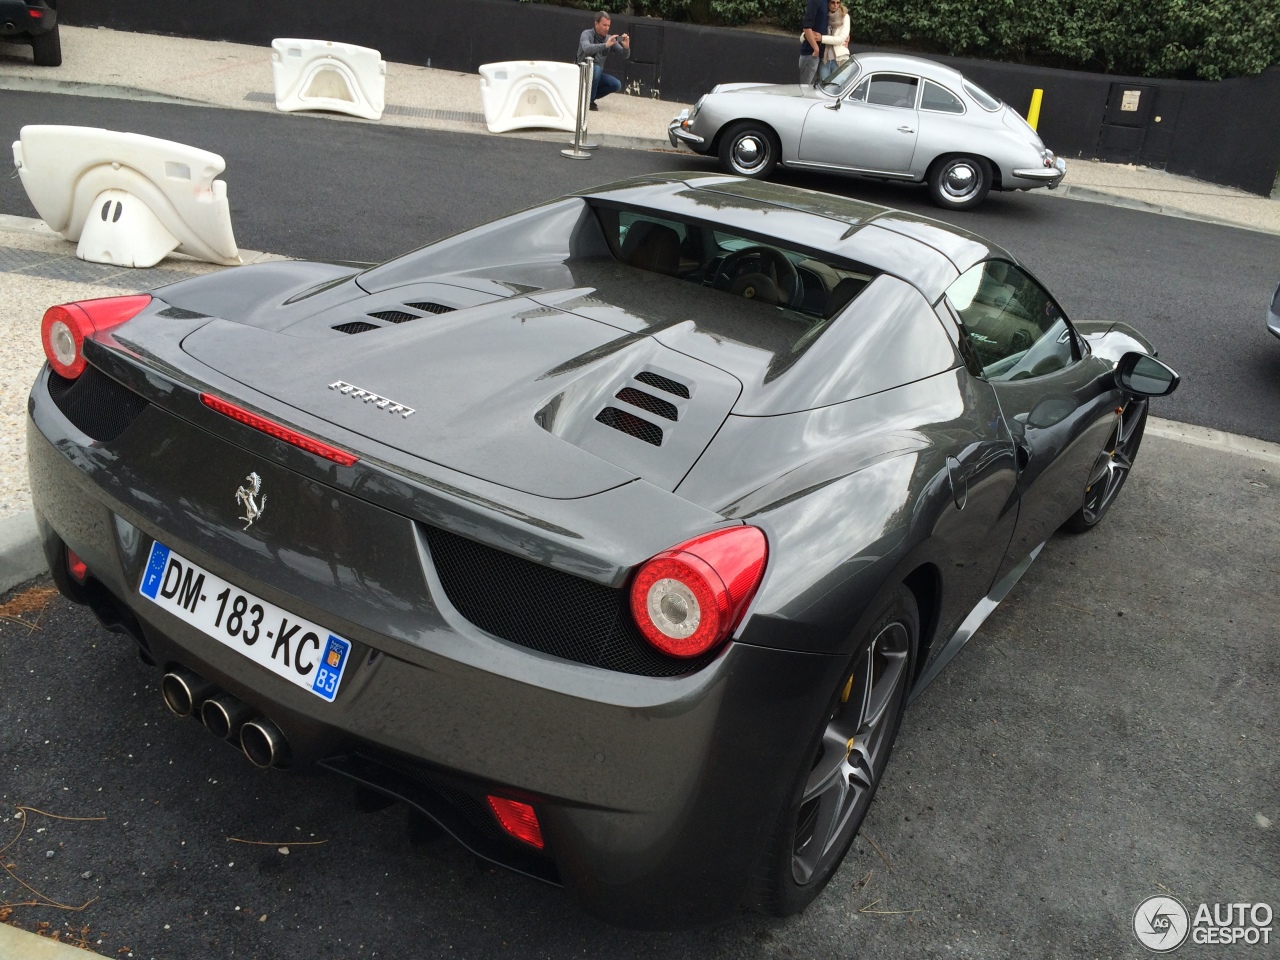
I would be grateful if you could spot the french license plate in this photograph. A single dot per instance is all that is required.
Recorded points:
(300, 651)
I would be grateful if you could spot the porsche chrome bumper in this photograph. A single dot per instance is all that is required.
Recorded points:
(636, 780)
(1043, 176)
(678, 132)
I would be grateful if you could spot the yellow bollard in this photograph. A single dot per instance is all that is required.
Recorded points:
(1033, 113)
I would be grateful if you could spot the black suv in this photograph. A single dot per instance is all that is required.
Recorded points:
(34, 22)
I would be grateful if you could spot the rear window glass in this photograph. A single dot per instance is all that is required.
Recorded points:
(985, 100)
(802, 283)
(940, 99)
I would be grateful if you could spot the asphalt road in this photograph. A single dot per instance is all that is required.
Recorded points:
(312, 187)
(1109, 734)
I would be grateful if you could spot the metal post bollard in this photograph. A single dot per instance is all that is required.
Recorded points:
(579, 149)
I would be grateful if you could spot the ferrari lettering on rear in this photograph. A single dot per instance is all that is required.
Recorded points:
(368, 396)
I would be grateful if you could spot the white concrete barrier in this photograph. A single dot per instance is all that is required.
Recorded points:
(324, 75)
(529, 93)
(127, 199)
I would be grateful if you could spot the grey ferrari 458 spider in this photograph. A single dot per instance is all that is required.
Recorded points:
(886, 116)
(613, 536)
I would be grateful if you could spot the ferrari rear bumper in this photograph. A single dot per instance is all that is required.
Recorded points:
(655, 794)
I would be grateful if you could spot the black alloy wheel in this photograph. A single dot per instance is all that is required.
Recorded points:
(1112, 467)
(960, 182)
(834, 792)
(749, 149)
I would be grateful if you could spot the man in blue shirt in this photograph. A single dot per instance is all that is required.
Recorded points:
(815, 25)
(597, 42)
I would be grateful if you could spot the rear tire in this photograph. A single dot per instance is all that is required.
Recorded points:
(839, 776)
(47, 49)
(959, 182)
(749, 149)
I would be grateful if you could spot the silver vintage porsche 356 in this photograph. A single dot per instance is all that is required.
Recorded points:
(882, 115)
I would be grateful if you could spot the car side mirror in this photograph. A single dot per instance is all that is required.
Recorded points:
(1145, 376)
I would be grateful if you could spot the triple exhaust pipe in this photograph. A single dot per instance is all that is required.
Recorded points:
(227, 718)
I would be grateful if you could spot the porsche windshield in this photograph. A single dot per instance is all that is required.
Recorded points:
(799, 283)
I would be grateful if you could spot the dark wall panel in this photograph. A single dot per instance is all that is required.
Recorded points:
(1227, 132)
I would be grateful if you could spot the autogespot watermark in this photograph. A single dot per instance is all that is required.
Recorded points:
(1162, 924)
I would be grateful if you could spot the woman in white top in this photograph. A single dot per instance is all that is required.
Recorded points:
(835, 45)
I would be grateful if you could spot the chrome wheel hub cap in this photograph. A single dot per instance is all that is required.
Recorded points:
(748, 152)
(961, 180)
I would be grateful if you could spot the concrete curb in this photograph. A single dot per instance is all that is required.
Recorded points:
(1090, 195)
(1210, 439)
(21, 559)
(18, 944)
(9, 223)
(108, 91)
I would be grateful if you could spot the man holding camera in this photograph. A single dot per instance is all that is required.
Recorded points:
(595, 44)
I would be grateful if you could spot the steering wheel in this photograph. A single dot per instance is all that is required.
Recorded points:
(771, 278)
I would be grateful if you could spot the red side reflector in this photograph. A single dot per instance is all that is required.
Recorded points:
(76, 567)
(35, 14)
(518, 819)
(280, 432)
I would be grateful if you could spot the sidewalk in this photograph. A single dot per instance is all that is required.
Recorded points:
(100, 62)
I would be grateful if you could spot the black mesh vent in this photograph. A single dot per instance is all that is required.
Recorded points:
(96, 404)
(546, 609)
(645, 401)
(356, 326)
(673, 387)
(427, 306)
(630, 423)
(394, 316)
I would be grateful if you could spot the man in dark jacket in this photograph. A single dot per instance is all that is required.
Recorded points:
(597, 42)
(815, 25)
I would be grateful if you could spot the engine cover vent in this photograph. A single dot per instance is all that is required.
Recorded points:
(356, 326)
(427, 306)
(665, 384)
(394, 316)
(629, 423)
(646, 401)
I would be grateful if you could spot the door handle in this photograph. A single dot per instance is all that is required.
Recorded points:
(905, 129)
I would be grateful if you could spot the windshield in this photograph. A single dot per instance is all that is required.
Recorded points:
(842, 78)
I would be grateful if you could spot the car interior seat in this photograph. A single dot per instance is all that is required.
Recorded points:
(652, 246)
(844, 291)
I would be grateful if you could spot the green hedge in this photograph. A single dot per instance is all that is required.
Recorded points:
(1205, 39)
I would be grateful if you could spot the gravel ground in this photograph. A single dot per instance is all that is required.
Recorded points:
(24, 297)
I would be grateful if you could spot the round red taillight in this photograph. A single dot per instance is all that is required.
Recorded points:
(64, 327)
(688, 599)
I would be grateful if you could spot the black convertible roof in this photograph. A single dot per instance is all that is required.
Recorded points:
(926, 253)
